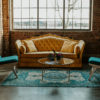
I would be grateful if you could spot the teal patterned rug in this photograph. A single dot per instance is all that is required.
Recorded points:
(52, 78)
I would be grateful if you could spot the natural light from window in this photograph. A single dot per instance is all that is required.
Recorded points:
(51, 14)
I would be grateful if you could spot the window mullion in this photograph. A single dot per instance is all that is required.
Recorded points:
(29, 15)
(81, 15)
(55, 16)
(72, 16)
(90, 13)
(12, 13)
(63, 14)
(21, 14)
(46, 12)
(37, 14)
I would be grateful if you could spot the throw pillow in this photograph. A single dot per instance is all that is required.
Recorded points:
(30, 47)
(22, 49)
(68, 46)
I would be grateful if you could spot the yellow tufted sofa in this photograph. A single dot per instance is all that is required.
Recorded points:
(31, 49)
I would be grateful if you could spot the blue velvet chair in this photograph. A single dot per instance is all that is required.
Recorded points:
(9, 63)
(95, 63)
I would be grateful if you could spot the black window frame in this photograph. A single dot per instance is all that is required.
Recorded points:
(90, 18)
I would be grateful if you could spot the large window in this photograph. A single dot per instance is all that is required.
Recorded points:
(51, 14)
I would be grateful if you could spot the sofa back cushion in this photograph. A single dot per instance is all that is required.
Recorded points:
(68, 46)
(30, 47)
(48, 44)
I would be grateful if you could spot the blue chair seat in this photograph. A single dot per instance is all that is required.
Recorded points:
(9, 59)
(94, 60)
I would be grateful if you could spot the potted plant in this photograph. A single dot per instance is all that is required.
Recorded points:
(55, 56)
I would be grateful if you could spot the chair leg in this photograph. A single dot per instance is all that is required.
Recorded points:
(14, 70)
(91, 72)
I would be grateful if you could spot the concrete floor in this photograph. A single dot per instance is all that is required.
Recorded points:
(49, 93)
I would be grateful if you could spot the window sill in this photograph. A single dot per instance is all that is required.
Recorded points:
(48, 30)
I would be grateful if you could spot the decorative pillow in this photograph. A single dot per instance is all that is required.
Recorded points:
(68, 46)
(30, 47)
(22, 49)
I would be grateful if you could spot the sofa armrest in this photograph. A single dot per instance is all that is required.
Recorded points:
(79, 48)
(22, 49)
(18, 44)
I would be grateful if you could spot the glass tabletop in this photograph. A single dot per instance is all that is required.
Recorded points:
(62, 61)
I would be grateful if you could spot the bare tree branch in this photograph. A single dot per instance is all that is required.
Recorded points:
(59, 11)
(70, 7)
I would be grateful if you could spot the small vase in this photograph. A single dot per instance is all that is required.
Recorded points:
(55, 59)
(51, 57)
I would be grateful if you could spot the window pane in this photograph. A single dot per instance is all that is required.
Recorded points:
(17, 13)
(42, 13)
(59, 3)
(17, 23)
(76, 23)
(59, 23)
(70, 3)
(51, 3)
(33, 23)
(50, 23)
(17, 3)
(25, 3)
(50, 13)
(33, 3)
(25, 13)
(85, 13)
(85, 3)
(33, 13)
(42, 23)
(68, 14)
(66, 3)
(59, 13)
(77, 13)
(68, 23)
(85, 24)
(76, 3)
(42, 3)
(25, 24)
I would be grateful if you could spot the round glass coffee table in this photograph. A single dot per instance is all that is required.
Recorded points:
(56, 65)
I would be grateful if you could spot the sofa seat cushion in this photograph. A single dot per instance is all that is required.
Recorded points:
(36, 54)
(45, 54)
(48, 44)
(69, 55)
